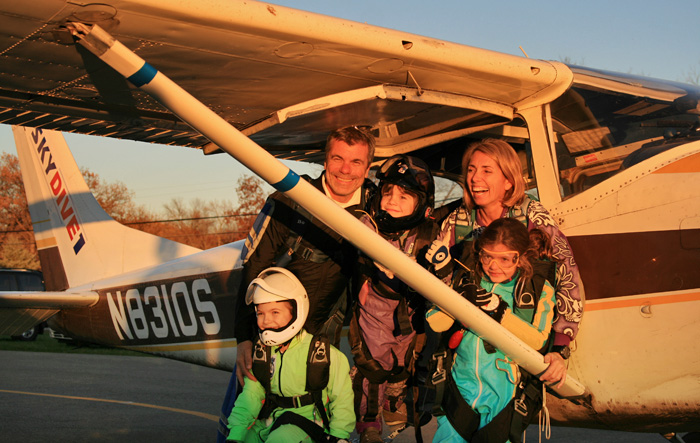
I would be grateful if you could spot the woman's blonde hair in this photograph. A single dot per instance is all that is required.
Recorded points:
(507, 160)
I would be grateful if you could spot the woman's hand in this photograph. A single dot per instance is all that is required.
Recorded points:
(556, 371)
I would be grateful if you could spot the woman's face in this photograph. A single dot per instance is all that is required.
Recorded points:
(397, 202)
(499, 262)
(485, 181)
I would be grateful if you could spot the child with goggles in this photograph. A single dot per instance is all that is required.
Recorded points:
(483, 385)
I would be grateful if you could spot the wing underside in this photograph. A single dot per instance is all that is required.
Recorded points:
(20, 311)
(251, 63)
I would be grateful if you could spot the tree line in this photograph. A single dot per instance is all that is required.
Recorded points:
(198, 223)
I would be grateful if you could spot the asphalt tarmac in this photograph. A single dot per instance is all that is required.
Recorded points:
(47, 397)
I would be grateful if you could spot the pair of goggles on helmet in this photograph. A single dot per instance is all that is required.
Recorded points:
(408, 172)
(504, 260)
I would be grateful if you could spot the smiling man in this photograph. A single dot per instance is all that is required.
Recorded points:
(286, 235)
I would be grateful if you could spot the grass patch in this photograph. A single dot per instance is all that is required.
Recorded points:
(44, 343)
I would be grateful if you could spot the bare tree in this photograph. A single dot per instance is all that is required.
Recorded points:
(197, 223)
(18, 247)
(692, 76)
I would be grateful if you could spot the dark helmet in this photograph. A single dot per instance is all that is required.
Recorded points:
(412, 174)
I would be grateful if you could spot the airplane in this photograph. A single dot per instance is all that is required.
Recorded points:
(614, 157)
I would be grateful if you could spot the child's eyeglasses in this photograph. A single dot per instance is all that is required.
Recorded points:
(504, 260)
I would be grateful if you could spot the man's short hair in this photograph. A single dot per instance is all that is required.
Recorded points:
(353, 135)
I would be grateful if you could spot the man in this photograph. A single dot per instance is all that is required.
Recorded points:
(320, 258)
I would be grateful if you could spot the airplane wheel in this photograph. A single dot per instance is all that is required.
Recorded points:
(28, 335)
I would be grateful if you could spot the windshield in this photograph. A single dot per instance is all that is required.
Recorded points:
(607, 122)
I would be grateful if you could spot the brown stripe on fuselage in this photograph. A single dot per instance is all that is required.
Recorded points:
(617, 265)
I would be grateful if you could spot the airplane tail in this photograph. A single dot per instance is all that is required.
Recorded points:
(78, 242)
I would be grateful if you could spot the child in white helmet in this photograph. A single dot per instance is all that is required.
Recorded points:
(303, 392)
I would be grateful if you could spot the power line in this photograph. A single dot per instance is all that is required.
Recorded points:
(172, 220)
(189, 219)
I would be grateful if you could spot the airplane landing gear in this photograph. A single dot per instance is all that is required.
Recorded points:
(690, 437)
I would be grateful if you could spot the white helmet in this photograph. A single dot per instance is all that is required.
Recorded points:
(278, 284)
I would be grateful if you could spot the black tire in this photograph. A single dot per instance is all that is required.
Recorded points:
(28, 335)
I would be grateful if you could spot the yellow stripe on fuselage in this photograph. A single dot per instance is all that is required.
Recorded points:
(194, 346)
(638, 300)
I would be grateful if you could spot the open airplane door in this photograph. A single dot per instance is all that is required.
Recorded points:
(194, 113)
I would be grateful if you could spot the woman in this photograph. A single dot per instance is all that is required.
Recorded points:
(494, 188)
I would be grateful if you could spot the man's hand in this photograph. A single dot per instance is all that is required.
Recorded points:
(556, 371)
(244, 362)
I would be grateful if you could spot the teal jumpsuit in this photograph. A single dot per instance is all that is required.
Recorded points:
(487, 381)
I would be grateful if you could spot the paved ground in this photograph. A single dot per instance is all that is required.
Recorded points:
(46, 397)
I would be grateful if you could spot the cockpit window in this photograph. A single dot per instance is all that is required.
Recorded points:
(607, 123)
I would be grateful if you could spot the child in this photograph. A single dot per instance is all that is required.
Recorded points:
(309, 397)
(479, 393)
(383, 332)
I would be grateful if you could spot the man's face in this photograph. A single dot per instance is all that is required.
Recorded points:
(346, 169)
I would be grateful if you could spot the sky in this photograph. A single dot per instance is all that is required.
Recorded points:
(650, 38)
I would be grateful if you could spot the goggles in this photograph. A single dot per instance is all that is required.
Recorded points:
(504, 260)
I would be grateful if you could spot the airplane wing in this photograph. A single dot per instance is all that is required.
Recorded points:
(20, 311)
(282, 76)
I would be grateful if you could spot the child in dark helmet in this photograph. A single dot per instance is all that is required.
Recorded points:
(280, 406)
(387, 328)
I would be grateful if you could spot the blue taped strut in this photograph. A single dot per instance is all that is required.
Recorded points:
(143, 75)
(288, 182)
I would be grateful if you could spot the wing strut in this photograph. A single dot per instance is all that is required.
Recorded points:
(201, 118)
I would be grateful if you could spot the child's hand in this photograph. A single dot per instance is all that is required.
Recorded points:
(490, 303)
(385, 270)
(438, 255)
(475, 294)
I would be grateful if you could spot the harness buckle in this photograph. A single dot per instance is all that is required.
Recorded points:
(306, 253)
(440, 375)
(439, 356)
(520, 406)
(296, 401)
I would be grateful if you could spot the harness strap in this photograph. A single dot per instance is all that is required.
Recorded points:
(372, 402)
(461, 416)
(312, 429)
(507, 425)
(318, 374)
(404, 321)
(417, 434)
(357, 390)
(317, 377)
(369, 367)
(525, 405)
(262, 359)
(296, 401)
